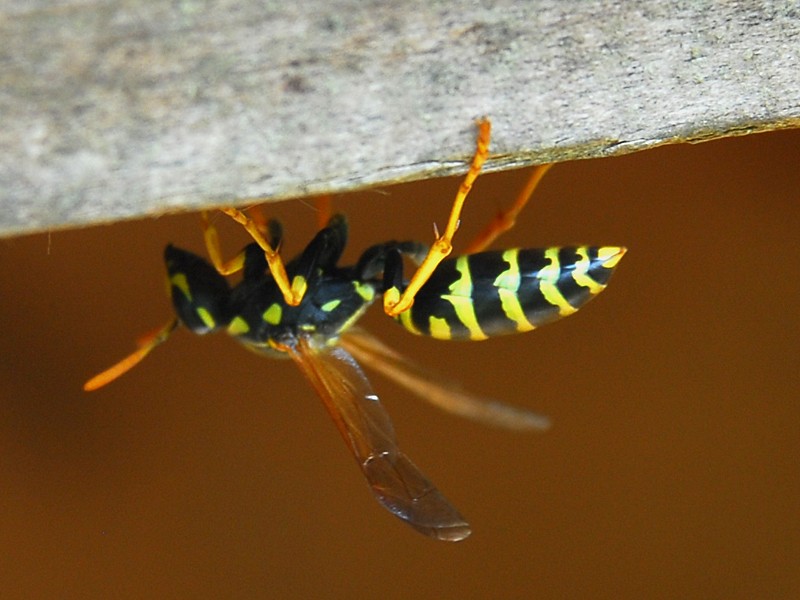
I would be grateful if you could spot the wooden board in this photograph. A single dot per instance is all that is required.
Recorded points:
(129, 108)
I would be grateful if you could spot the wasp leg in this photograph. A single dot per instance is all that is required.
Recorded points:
(293, 295)
(260, 220)
(393, 302)
(324, 206)
(272, 228)
(211, 238)
(505, 219)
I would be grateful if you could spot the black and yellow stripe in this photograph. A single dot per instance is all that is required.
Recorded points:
(482, 295)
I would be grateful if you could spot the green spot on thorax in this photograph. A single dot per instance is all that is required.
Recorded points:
(273, 314)
(367, 292)
(238, 326)
(330, 306)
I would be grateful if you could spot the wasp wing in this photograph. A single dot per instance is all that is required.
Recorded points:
(443, 393)
(367, 430)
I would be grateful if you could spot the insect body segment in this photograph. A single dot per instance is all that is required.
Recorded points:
(255, 311)
(477, 296)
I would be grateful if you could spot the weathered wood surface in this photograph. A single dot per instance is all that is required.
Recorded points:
(116, 109)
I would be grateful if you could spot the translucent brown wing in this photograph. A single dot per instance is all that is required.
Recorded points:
(441, 392)
(367, 430)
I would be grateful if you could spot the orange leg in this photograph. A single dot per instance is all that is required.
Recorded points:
(293, 294)
(259, 227)
(211, 238)
(393, 302)
(258, 217)
(505, 219)
(324, 206)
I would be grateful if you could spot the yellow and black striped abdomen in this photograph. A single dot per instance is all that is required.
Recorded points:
(477, 296)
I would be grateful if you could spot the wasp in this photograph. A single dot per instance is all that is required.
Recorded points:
(307, 309)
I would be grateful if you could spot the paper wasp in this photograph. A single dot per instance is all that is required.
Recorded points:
(307, 308)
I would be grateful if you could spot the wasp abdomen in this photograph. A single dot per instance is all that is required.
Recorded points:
(477, 296)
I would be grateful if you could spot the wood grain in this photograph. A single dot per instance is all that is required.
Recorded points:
(129, 108)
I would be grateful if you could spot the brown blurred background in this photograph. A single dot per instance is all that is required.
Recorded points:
(209, 472)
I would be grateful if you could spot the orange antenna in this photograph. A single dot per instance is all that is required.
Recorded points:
(146, 344)
(505, 219)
